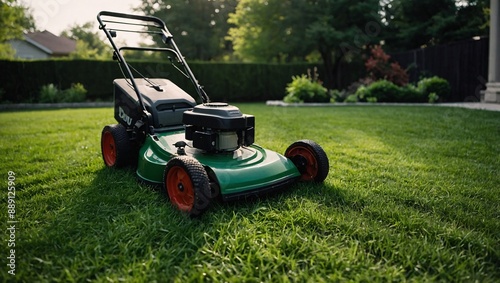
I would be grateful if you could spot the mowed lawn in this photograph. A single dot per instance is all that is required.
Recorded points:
(413, 195)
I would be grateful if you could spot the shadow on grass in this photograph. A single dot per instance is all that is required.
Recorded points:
(115, 226)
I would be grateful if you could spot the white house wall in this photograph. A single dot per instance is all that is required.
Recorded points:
(25, 50)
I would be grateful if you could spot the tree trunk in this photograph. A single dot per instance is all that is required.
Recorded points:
(331, 65)
(327, 57)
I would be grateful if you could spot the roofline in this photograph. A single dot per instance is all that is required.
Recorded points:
(36, 44)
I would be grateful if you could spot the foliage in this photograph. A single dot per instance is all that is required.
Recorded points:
(433, 97)
(51, 94)
(411, 93)
(14, 20)
(363, 94)
(84, 51)
(383, 91)
(411, 24)
(337, 95)
(76, 93)
(352, 98)
(6, 51)
(199, 27)
(89, 44)
(284, 30)
(233, 82)
(379, 67)
(427, 90)
(439, 86)
(306, 88)
(260, 31)
(409, 201)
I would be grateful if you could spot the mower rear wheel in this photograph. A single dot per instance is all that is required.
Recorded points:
(310, 159)
(187, 185)
(116, 147)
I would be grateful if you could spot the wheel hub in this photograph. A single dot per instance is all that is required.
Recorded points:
(180, 187)
(300, 162)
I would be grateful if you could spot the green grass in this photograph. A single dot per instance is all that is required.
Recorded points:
(413, 194)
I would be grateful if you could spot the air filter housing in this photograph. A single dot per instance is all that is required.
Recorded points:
(216, 127)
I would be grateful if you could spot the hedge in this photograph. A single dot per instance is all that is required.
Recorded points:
(236, 82)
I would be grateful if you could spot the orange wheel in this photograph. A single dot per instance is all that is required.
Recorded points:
(108, 149)
(310, 159)
(116, 147)
(180, 188)
(187, 185)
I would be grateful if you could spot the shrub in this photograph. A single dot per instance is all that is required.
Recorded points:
(306, 88)
(51, 94)
(361, 93)
(76, 93)
(353, 98)
(410, 93)
(382, 91)
(379, 68)
(427, 90)
(336, 95)
(439, 86)
(433, 97)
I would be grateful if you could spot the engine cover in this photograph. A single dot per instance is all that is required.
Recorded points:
(165, 105)
(218, 127)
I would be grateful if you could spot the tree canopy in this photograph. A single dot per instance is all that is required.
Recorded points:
(261, 31)
(286, 30)
(267, 30)
(15, 19)
(412, 24)
(328, 31)
(88, 42)
(198, 26)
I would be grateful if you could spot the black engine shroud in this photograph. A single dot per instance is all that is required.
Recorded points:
(218, 127)
(165, 103)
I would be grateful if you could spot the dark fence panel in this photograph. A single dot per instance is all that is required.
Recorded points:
(464, 64)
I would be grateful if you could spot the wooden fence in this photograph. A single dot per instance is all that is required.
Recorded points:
(464, 64)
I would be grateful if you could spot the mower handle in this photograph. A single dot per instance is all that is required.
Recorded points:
(159, 23)
(167, 38)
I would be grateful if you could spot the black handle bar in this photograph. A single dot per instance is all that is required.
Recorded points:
(167, 38)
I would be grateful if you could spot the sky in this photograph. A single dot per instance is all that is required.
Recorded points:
(58, 15)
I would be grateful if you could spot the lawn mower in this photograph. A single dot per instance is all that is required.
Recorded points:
(194, 152)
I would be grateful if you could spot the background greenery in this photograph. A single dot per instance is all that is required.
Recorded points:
(222, 81)
(328, 32)
(412, 195)
(331, 34)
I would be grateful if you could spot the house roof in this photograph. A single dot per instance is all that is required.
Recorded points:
(50, 43)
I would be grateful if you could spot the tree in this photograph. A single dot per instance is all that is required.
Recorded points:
(415, 23)
(260, 31)
(88, 42)
(273, 30)
(15, 19)
(199, 27)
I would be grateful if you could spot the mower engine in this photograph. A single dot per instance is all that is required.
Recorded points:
(218, 127)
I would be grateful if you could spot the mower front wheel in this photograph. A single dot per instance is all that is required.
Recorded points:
(310, 159)
(116, 147)
(187, 185)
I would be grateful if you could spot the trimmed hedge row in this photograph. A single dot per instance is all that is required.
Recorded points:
(235, 82)
(23, 80)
